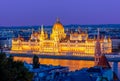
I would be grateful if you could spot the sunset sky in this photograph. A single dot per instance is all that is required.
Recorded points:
(37, 12)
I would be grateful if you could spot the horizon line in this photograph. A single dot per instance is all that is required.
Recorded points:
(52, 25)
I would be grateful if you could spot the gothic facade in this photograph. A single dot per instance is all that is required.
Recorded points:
(60, 42)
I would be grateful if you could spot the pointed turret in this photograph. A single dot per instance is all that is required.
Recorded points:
(32, 35)
(109, 39)
(98, 35)
(42, 30)
(97, 49)
(32, 30)
(20, 37)
(42, 35)
(39, 29)
(105, 39)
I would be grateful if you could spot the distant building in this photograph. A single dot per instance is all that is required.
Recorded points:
(47, 72)
(100, 72)
(92, 74)
(5, 42)
(60, 42)
(115, 43)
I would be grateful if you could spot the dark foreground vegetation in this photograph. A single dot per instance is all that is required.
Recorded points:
(11, 70)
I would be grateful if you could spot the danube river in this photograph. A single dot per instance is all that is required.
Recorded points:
(72, 64)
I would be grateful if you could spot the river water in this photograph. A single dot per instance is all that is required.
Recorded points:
(72, 64)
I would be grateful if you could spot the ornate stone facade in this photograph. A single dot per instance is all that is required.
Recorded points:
(60, 42)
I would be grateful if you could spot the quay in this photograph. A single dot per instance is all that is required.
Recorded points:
(110, 57)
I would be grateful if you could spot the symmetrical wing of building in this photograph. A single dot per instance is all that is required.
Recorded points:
(59, 41)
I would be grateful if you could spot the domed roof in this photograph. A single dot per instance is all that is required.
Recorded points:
(58, 25)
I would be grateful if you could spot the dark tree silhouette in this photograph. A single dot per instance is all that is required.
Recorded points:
(35, 61)
(11, 70)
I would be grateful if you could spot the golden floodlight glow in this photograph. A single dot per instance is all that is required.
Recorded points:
(59, 42)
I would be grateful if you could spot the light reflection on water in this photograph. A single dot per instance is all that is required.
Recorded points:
(72, 64)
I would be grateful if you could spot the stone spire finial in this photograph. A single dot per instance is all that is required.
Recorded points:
(105, 38)
(42, 29)
(98, 34)
(58, 19)
(32, 30)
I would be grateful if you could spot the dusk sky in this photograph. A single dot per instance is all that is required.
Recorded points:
(37, 12)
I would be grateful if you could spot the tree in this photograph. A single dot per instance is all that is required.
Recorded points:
(11, 70)
(35, 61)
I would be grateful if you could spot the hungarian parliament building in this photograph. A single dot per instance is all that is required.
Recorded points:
(60, 42)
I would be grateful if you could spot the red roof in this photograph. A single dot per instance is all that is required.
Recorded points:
(103, 62)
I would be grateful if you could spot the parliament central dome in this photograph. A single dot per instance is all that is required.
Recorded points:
(57, 31)
(58, 25)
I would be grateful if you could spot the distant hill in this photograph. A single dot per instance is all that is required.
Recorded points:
(66, 26)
